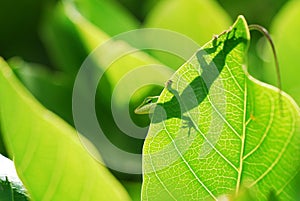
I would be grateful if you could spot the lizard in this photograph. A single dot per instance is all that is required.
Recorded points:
(149, 104)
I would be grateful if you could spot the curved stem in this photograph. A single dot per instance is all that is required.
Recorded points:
(265, 32)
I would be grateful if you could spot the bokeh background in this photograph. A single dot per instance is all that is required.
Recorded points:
(25, 43)
(20, 22)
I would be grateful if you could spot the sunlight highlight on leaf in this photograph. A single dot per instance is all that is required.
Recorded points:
(216, 129)
(49, 157)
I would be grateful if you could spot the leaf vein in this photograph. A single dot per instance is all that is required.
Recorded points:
(278, 157)
(243, 138)
(156, 175)
(265, 133)
(189, 167)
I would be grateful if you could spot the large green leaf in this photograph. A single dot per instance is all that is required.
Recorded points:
(109, 16)
(62, 41)
(48, 154)
(285, 29)
(120, 73)
(91, 36)
(60, 36)
(216, 129)
(52, 89)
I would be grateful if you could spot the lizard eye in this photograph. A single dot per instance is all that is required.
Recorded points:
(148, 101)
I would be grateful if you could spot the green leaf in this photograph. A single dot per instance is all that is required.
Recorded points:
(48, 154)
(2, 147)
(285, 30)
(91, 36)
(62, 41)
(52, 89)
(198, 20)
(11, 188)
(297, 184)
(216, 129)
(243, 195)
(273, 196)
(109, 16)
(134, 189)
(120, 72)
(61, 38)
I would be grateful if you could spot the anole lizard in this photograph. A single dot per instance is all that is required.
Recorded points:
(148, 105)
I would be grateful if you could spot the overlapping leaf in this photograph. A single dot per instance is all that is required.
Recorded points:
(110, 16)
(216, 129)
(49, 157)
(90, 36)
(52, 89)
(62, 41)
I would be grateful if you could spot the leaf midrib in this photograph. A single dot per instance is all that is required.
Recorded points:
(240, 169)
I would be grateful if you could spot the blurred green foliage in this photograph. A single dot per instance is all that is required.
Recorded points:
(20, 21)
(48, 153)
(30, 30)
(165, 15)
(19, 35)
(22, 33)
(285, 29)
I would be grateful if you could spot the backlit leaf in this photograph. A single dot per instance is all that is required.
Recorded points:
(49, 157)
(216, 129)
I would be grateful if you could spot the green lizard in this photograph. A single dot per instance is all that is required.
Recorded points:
(149, 104)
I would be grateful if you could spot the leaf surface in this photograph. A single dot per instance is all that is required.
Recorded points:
(67, 51)
(125, 74)
(122, 69)
(48, 154)
(52, 89)
(216, 129)
(113, 18)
